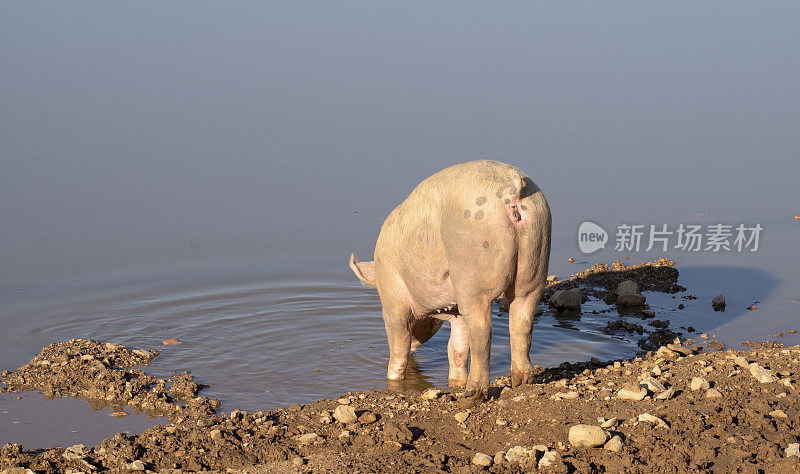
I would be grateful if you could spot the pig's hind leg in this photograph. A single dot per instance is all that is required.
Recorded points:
(398, 333)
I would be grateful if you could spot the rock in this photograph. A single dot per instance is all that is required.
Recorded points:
(295, 407)
(629, 300)
(665, 353)
(777, 414)
(742, 362)
(343, 401)
(627, 287)
(648, 418)
(713, 393)
(549, 459)
(461, 416)
(718, 303)
(298, 461)
(499, 457)
(520, 454)
(393, 446)
(345, 414)
(587, 436)
(666, 394)
(171, 341)
(431, 394)
(698, 383)
(308, 438)
(367, 418)
(632, 392)
(792, 450)
(481, 459)
(216, 435)
(135, 466)
(552, 278)
(610, 423)
(566, 299)
(761, 374)
(654, 385)
(614, 444)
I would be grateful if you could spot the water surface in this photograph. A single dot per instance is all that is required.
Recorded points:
(202, 171)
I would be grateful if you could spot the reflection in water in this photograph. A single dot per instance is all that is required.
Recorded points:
(415, 378)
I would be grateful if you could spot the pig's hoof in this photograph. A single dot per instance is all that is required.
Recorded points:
(472, 398)
(521, 378)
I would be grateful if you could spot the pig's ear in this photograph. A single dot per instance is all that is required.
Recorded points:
(365, 271)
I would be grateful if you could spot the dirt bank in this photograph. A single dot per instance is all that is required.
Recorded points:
(682, 407)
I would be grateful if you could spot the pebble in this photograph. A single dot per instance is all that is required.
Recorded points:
(636, 299)
(169, 342)
(367, 418)
(343, 401)
(718, 303)
(761, 374)
(461, 416)
(308, 438)
(713, 393)
(792, 450)
(629, 392)
(298, 461)
(135, 466)
(666, 394)
(610, 423)
(499, 457)
(431, 394)
(549, 459)
(519, 454)
(614, 444)
(481, 459)
(216, 435)
(588, 436)
(654, 385)
(777, 414)
(742, 362)
(566, 299)
(627, 287)
(295, 407)
(698, 383)
(647, 417)
(345, 414)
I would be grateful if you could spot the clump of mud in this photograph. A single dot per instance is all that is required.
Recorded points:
(601, 279)
(104, 374)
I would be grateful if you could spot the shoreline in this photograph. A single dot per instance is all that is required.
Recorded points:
(681, 408)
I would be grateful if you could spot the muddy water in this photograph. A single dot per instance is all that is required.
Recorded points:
(203, 173)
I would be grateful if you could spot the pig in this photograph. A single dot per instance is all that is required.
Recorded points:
(464, 236)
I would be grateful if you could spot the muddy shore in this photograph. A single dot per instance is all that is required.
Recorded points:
(682, 406)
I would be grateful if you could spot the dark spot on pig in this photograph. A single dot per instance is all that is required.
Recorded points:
(480, 200)
(479, 215)
(512, 191)
(486, 244)
(516, 215)
(524, 208)
(466, 213)
(499, 192)
(507, 201)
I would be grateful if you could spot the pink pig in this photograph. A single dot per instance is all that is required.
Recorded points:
(465, 236)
